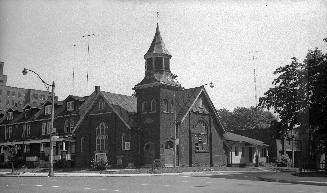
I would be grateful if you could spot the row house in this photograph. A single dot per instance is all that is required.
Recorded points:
(29, 130)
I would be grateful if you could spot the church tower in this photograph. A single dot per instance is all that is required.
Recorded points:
(156, 96)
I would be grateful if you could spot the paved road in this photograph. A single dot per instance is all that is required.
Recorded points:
(231, 183)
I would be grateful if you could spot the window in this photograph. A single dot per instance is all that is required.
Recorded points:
(200, 133)
(48, 127)
(28, 130)
(153, 105)
(42, 97)
(24, 131)
(72, 124)
(101, 137)
(236, 150)
(8, 93)
(8, 132)
(27, 113)
(144, 104)
(10, 116)
(47, 109)
(158, 63)
(101, 105)
(66, 126)
(44, 127)
(167, 65)
(70, 106)
(165, 106)
(125, 144)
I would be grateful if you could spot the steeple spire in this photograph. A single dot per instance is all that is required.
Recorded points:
(157, 47)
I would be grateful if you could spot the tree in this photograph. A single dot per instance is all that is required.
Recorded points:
(12, 152)
(284, 97)
(243, 118)
(299, 97)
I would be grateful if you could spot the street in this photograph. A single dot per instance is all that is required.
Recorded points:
(231, 183)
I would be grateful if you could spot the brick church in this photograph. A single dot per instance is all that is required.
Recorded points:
(162, 121)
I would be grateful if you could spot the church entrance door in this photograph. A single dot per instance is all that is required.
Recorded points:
(169, 154)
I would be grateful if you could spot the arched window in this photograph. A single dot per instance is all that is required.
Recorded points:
(153, 105)
(165, 106)
(144, 104)
(200, 132)
(101, 137)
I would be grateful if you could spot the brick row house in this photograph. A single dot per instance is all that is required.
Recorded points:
(163, 121)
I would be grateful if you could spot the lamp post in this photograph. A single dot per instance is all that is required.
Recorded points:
(51, 174)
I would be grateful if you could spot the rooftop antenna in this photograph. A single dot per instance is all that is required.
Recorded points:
(88, 37)
(253, 58)
(74, 63)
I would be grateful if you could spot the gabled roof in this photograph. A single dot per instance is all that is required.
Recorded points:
(186, 99)
(62, 109)
(123, 106)
(239, 138)
(157, 46)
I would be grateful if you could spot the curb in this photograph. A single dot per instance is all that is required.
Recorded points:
(316, 183)
(124, 175)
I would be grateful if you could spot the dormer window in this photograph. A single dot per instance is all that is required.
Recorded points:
(47, 109)
(70, 106)
(153, 106)
(10, 116)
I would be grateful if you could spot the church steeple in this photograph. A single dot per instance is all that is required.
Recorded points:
(157, 65)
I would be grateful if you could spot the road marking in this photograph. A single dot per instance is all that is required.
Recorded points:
(54, 186)
(38, 185)
(144, 184)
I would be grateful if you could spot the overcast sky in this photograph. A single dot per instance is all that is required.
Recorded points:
(210, 41)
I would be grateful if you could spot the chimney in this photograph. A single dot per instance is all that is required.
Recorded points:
(1, 67)
(97, 89)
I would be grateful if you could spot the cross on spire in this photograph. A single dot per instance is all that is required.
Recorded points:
(157, 16)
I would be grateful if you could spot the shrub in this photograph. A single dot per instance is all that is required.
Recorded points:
(285, 160)
(62, 164)
(99, 164)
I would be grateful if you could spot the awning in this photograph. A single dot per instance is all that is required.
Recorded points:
(239, 138)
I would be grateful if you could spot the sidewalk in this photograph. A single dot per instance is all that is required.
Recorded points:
(287, 177)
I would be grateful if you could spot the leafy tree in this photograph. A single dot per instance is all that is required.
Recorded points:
(12, 152)
(299, 96)
(243, 118)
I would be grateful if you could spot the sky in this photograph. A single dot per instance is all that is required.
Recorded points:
(210, 41)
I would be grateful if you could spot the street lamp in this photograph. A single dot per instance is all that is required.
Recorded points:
(47, 85)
